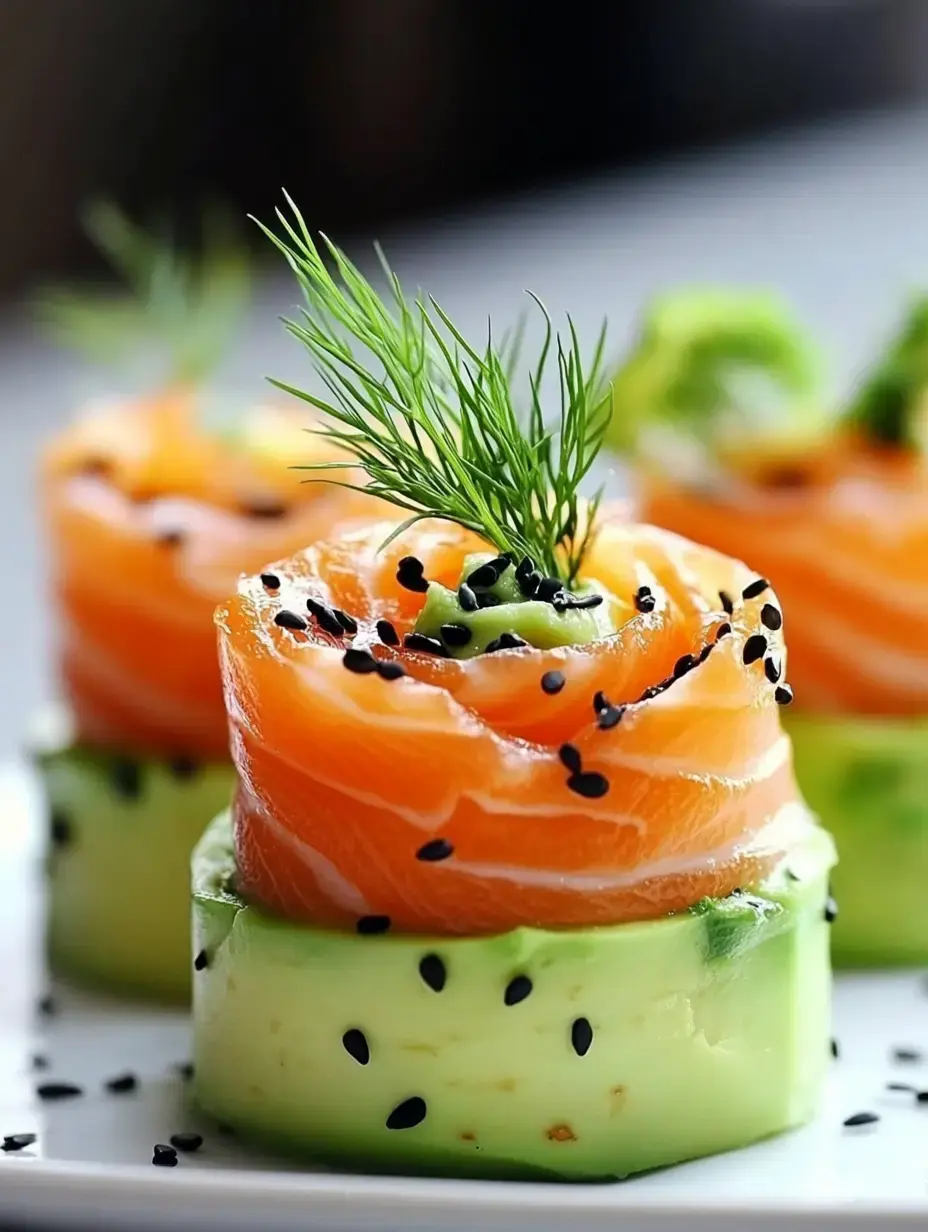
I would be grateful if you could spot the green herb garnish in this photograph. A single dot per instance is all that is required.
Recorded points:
(182, 310)
(888, 403)
(433, 421)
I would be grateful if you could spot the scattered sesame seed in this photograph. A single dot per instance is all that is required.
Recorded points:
(408, 1114)
(185, 1070)
(456, 635)
(126, 777)
(187, 1141)
(754, 648)
(201, 962)
(434, 850)
(486, 599)
(722, 631)
(771, 617)
(122, 1083)
(409, 575)
(755, 588)
(489, 573)
(183, 767)
(610, 717)
(60, 828)
(348, 623)
(835, 1050)
(905, 1055)
(390, 671)
(290, 620)
(921, 1097)
(644, 599)
(600, 701)
(552, 682)
(467, 599)
(728, 604)
(589, 784)
(17, 1142)
(373, 925)
(783, 695)
(510, 641)
(772, 669)
(270, 580)
(860, 1118)
(570, 758)
(529, 584)
(387, 633)
(264, 509)
(831, 910)
(355, 1044)
(58, 1090)
(46, 1005)
(791, 876)
(583, 602)
(170, 538)
(430, 645)
(359, 661)
(525, 566)
(581, 1036)
(164, 1156)
(518, 988)
(434, 972)
(325, 618)
(39, 1060)
(548, 589)
(900, 1086)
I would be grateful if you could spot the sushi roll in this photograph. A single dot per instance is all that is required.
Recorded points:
(832, 507)
(516, 880)
(152, 507)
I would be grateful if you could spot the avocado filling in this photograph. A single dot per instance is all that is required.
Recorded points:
(499, 605)
(580, 1054)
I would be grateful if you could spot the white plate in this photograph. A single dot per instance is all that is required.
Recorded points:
(90, 1166)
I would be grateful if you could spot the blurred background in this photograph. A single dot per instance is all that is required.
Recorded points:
(594, 152)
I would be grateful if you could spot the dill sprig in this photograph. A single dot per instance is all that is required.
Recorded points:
(180, 308)
(889, 403)
(432, 420)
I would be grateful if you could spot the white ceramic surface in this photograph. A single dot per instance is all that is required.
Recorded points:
(90, 1167)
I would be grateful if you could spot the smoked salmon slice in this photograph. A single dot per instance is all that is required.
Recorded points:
(386, 788)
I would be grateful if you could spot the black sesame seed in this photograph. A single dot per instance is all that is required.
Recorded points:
(600, 701)
(783, 695)
(570, 758)
(348, 623)
(684, 664)
(126, 777)
(355, 1044)
(492, 647)
(430, 645)
(387, 634)
(46, 1006)
(264, 509)
(325, 618)
(525, 566)
(183, 768)
(831, 910)
(548, 589)
(921, 1097)
(17, 1142)
(722, 631)
(755, 588)
(552, 682)
(486, 599)
(390, 671)
(584, 602)
(791, 876)
(409, 575)
(408, 1114)
(433, 972)
(58, 1090)
(434, 850)
(610, 717)
(122, 1083)
(456, 635)
(373, 925)
(835, 1050)
(771, 617)
(529, 584)
(467, 599)
(518, 988)
(705, 652)
(900, 1086)
(187, 1141)
(483, 577)
(39, 1060)
(772, 669)
(511, 641)
(754, 648)
(270, 580)
(860, 1118)
(905, 1055)
(164, 1156)
(644, 600)
(359, 661)
(581, 1036)
(290, 620)
(170, 538)
(185, 1070)
(201, 962)
(728, 604)
(60, 830)
(589, 784)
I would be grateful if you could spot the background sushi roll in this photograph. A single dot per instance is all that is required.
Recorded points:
(516, 880)
(152, 506)
(833, 508)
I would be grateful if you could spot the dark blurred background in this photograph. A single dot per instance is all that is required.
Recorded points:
(375, 111)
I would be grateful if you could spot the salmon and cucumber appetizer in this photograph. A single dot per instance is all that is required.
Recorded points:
(516, 880)
(738, 443)
(153, 505)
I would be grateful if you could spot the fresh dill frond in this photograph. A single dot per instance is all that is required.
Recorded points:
(433, 421)
(889, 403)
(182, 310)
